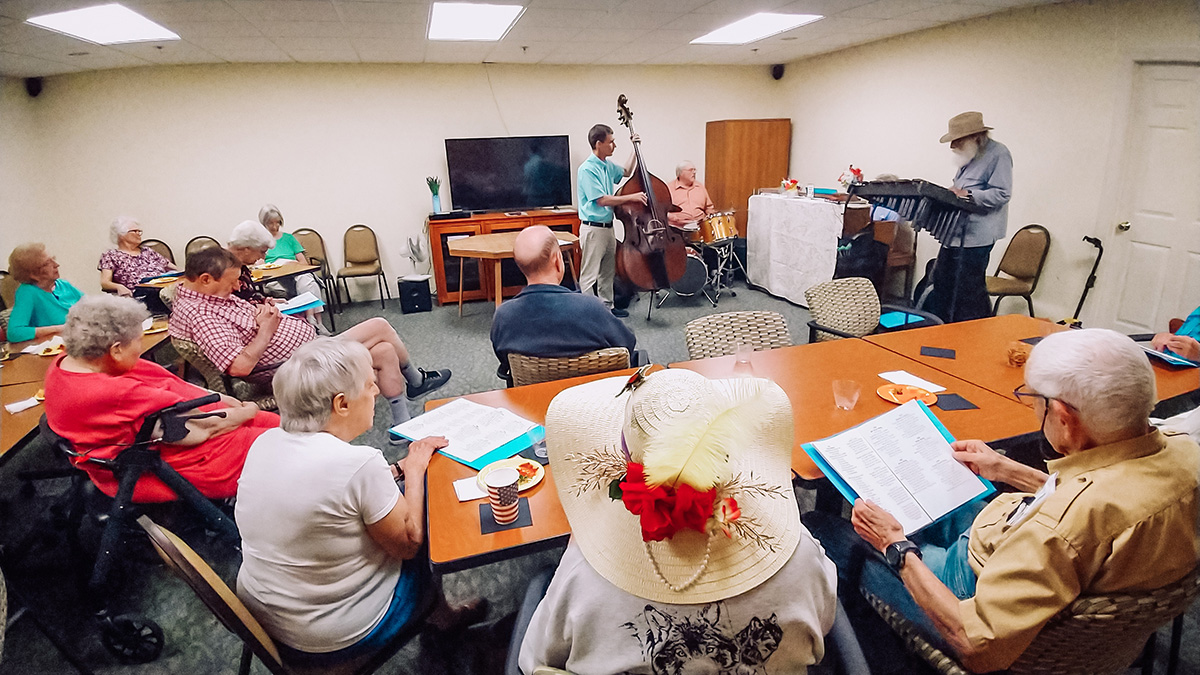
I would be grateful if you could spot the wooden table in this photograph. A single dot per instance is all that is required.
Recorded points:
(24, 368)
(806, 373)
(497, 247)
(453, 531)
(15, 430)
(981, 353)
(287, 268)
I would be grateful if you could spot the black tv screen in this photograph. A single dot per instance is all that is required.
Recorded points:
(505, 174)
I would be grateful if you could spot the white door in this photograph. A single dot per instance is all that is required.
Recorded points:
(1156, 258)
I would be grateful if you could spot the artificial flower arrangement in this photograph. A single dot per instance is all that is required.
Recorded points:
(788, 185)
(850, 176)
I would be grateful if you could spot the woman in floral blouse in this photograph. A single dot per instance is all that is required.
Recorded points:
(122, 268)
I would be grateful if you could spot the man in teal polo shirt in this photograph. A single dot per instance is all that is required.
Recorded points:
(597, 181)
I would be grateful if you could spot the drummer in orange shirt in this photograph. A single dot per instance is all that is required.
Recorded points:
(690, 196)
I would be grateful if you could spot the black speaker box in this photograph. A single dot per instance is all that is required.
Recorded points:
(414, 296)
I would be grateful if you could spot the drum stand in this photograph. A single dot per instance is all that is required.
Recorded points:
(669, 291)
(724, 268)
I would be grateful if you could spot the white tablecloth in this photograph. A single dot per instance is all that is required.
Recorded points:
(791, 244)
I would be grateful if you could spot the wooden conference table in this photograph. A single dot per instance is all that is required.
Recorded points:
(981, 353)
(497, 247)
(22, 378)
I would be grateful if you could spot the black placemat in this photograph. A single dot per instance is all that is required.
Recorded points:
(529, 453)
(939, 352)
(487, 524)
(1034, 340)
(954, 402)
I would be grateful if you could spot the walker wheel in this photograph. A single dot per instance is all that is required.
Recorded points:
(132, 639)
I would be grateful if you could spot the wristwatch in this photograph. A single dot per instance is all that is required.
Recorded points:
(896, 552)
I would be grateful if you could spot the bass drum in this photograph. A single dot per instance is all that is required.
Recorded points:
(695, 275)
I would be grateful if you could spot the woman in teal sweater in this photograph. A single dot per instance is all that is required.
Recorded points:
(42, 300)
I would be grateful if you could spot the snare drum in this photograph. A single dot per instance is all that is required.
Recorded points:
(718, 228)
(691, 231)
(695, 275)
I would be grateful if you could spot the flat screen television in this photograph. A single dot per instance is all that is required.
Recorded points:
(507, 174)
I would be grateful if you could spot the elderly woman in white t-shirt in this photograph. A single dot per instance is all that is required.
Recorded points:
(332, 548)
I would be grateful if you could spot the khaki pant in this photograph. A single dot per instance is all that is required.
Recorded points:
(599, 262)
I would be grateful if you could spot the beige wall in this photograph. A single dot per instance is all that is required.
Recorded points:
(1055, 82)
(195, 150)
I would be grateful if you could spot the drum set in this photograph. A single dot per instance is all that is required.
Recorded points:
(716, 234)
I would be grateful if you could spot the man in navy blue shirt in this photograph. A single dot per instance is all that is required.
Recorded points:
(547, 319)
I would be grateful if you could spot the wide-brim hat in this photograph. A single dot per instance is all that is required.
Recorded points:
(963, 125)
(751, 418)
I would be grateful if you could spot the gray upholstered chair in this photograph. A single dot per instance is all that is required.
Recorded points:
(721, 334)
(534, 369)
(1021, 266)
(1094, 635)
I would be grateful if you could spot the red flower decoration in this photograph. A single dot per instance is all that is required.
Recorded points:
(729, 513)
(664, 511)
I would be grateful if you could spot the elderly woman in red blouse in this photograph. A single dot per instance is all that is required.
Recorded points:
(99, 393)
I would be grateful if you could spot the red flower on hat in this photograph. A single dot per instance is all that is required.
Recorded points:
(663, 511)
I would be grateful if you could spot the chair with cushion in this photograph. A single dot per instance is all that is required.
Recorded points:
(218, 381)
(1021, 266)
(721, 334)
(8, 289)
(314, 250)
(361, 251)
(160, 247)
(186, 564)
(1095, 634)
(533, 369)
(198, 244)
(850, 308)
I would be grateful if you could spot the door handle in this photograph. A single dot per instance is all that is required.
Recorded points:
(1123, 226)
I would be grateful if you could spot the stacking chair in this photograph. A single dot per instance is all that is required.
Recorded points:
(722, 334)
(314, 250)
(160, 247)
(842, 652)
(8, 289)
(1021, 266)
(133, 638)
(186, 564)
(361, 251)
(219, 381)
(1095, 634)
(849, 308)
(533, 369)
(198, 244)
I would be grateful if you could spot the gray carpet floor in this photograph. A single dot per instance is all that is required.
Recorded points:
(197, 643)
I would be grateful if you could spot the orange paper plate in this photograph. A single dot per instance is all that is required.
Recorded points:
(903, 393)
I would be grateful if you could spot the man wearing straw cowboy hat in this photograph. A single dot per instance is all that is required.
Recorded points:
(984, 177)
(687, 553)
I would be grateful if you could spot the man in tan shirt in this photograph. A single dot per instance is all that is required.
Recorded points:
(689, 195)
(1122, 516)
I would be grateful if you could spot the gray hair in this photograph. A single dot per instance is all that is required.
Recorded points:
(269, 211)
(120, 227)
(24, 260)
(683, 166)
(249, 234)
(1101, 373)
(98, 322)
(316, 372)
(887, 177)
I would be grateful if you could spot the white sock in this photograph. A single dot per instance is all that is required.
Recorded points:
(399, 409)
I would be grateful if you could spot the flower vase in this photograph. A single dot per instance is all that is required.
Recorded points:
(437, 203)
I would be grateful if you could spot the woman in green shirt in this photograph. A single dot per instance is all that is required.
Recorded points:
(287, 248)
(42, 300)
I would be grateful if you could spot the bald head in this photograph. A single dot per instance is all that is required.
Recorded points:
(537, 253)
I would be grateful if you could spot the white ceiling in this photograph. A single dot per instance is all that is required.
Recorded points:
(393, 31)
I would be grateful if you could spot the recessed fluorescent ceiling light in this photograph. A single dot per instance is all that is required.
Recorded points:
(755, 27)
(469, 21)
(104, 24)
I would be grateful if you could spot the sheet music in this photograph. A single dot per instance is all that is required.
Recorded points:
(472, 429)
(902, 462)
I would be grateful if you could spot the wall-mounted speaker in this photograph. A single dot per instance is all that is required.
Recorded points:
(777, 71)
(33, 86)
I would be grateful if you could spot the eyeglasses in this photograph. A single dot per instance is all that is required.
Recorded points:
(1023, 392)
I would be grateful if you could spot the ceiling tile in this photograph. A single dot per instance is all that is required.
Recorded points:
(742, 8)
(19, 65)
(612, 35)
(347, 55)
(888, 9)
(166, 13)
(383, 12)
(457, 52)
(524, 31)
(313, 44)
(376, 50)
(253, 56)
(285, 10)
(533, 52)
(394, 31)
(303, 29)
(673, 6)
(174, 52)
(822, 7)
(563, 18)
(602, 5)
(950, 12)
(221, 44)
(190, 29)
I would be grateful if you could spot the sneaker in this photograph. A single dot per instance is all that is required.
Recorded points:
(620, 313)
(432, 379)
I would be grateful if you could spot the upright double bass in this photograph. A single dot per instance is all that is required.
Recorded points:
(654, 254)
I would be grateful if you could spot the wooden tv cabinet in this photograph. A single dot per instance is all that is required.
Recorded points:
(476, 278)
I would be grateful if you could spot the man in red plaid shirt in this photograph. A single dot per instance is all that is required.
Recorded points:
(251, 341)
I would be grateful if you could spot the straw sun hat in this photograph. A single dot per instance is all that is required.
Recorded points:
(673, 447)
(963, 125)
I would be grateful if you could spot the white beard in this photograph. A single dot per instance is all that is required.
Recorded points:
(963, 155)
